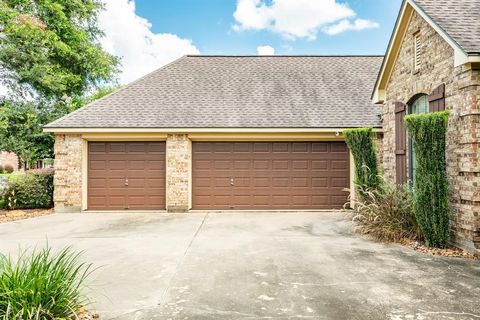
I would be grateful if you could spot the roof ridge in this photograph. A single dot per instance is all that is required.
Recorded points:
(282, 55)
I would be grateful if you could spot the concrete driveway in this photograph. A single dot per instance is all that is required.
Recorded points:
(251, 266)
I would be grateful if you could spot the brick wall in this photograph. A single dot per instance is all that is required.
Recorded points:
(462, 89)
(68, 173)
(178, 175)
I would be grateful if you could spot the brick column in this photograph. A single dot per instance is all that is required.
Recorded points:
(67, 182)
(179, 173)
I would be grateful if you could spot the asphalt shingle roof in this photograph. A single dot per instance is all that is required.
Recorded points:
(241, 92)
(460, 19)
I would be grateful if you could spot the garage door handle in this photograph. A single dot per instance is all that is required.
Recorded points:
(231, 181)
(126, 182)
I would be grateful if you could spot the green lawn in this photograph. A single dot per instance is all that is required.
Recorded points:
(11, 175)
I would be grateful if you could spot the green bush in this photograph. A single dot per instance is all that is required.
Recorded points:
(430, 184)
(360, 141)
(386, 214)
(42, 285)
(29, 191)
(1, 169)
(8, 168)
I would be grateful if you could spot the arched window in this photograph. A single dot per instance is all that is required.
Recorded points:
(419, 104)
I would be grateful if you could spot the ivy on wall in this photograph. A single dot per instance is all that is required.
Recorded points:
(430, 184)
(360, 141)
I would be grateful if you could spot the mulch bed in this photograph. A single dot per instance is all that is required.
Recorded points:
(86, 315)
(14, 215)
(447, 252)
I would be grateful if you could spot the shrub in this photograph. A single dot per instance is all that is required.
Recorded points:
(1, 169)
(430, 184)
(8, 168)
(29, 191)
(360, 142)
(42, 285)
(386, 214)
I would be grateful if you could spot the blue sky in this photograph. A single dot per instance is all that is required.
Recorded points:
(208, 23)
(147, 34)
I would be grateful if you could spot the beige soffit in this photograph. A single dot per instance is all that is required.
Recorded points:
(193, 130)
(403, 20)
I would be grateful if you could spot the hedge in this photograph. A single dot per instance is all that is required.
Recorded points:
(430, 184)
(30, 191)
(360, 141)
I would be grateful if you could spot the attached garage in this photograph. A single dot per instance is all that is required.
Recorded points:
(126, 175)
(270, 175)
(218, 132)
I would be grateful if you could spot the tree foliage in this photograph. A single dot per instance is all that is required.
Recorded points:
(21, 125)
(430, 184)
(51, 47)
(360, 141)
(50, 58)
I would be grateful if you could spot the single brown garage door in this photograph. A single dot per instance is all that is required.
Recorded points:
(270, 175)
(126, 175)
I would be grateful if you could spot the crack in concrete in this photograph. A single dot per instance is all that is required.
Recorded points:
(180, 263)
(170, 281)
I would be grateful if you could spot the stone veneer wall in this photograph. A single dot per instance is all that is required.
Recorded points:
(68, 173)
(462, 89)
(179, 171)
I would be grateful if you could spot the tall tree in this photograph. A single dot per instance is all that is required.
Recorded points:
(49, 50)
(51, 47)
(21, 125)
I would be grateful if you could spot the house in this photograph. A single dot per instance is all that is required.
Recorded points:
(265, 132)
(433, 63)
(218, 132)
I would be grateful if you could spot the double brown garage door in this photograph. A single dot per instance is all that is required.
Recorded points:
(270, 175)
(226, 175)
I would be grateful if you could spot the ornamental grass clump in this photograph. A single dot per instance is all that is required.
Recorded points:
(42, 285)
(430, 184)
(360, 141)
(386, 214)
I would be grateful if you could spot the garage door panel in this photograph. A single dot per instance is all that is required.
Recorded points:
(98, 147)
(280, 182)
(242, 164)
(261, 147)
(339, 182)
(221, 164)
(110, 164)
(300, 182)
(300, 164)
(115, 148)
(281, 147)
(270, 175)
(302, 147)
(339, 147)
(320, 147)
(242, 147)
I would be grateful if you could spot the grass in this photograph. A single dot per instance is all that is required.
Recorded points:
(43, 285)
(12, 175)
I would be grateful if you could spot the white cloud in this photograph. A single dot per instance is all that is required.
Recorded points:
(265, 51)
(344, 25)
(130, 37)
(293, 18)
